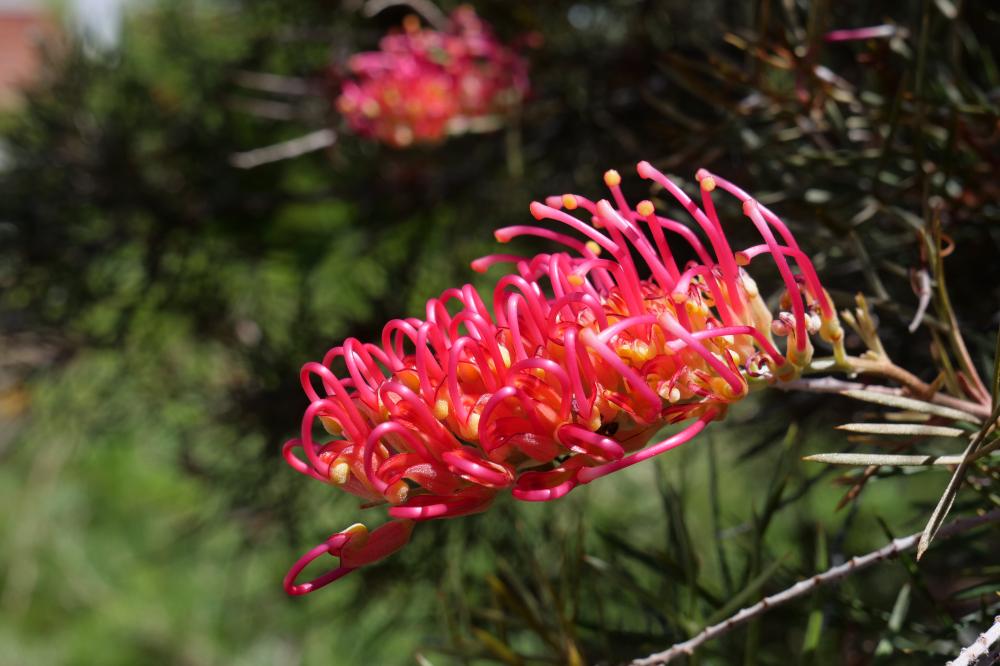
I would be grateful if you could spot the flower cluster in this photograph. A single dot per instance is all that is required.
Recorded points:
(423, 84)
(584, 356)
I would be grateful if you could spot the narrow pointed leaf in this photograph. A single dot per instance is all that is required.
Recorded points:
(497, 647)
(948, 498)
(944, 504)
(865, 460)
(912, 429)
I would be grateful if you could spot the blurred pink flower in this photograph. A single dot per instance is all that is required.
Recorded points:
(872, 32)
(584, 356)
(423, 84)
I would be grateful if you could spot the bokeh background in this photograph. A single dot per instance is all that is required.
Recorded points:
(156, 303)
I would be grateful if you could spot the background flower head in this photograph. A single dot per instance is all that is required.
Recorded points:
(423, 84)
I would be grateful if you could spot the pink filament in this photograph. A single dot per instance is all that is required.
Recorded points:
(807, 267)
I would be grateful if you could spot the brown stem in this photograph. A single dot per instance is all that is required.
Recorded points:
(890, 370)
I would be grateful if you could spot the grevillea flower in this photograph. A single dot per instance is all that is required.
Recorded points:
(585, 354)
(422, 84)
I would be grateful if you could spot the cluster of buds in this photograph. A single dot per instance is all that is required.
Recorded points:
(584, 356)
(423, 84)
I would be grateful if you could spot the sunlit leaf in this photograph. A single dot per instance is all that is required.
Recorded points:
(912, 429)
(865, 460)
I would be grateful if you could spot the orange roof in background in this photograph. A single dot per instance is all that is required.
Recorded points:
(21, 32)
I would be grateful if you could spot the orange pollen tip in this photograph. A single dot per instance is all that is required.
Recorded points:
(569, 202)
(742, 259)
(612, 178)
(575, 280)
(594, 248)
(411, 23)
(397, 492)
(708, 184)
(645, 208)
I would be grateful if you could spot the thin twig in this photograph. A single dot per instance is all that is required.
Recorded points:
(892, 371)
(285, 150)
(808, 585)
(265, 108)
(970, 656)
(275, 83)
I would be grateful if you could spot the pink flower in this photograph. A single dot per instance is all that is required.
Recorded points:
(585, 354)
(872, 32)
(422, 84)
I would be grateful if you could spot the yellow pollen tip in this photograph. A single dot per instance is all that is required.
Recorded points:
(340, 471)
(370, 108)
(358, 534)
(574, 280)
(645, 208)
(678, 297)
(331, 425)
(569, 202)
(441, 409)
(707, 184)
(472, 427)
(594, 248)
(612, 178)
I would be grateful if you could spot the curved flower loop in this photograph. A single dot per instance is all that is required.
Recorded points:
(580, 361)
(355, 547)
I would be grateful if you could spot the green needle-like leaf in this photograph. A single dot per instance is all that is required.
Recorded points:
(912, 429)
